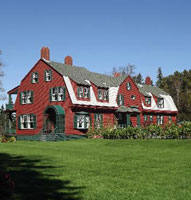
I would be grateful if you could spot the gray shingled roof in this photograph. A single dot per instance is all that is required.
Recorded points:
(81, 74)
(145, 89)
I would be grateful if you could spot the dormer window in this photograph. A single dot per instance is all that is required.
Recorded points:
(160, 103)
(148, 100)
(86, 92)
(80, 92)
(83, 92)
(103, 94)
(100, 94)
(48, 75)
(128, 86)
(34, 77)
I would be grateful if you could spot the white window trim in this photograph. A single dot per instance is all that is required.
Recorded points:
(57, 94)
(47, 75)
(128, 86)
(26, 121)
(34, 77)
(26, 97)
(83, 120)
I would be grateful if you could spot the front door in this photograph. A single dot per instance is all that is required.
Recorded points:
(54, 119)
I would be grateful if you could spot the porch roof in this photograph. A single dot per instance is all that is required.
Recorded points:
(125, 109)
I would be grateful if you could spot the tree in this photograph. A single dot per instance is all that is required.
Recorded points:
(2, 96)
(178, 86)
(125, 70)
(138, 78)
(159, 77)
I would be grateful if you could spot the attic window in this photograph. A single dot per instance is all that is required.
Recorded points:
(34, 77)
(128, 86)
(133, 97)
(48, 75)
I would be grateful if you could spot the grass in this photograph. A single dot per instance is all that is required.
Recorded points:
(99, 169)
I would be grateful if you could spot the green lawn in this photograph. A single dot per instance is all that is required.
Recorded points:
(99, 169)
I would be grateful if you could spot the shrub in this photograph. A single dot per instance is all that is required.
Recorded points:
(170, 131)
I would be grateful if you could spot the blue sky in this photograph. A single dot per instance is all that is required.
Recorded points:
(99, 35)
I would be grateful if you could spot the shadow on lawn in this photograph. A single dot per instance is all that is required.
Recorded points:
(31, 184)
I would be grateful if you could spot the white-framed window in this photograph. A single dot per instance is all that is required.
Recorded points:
(103, 94)
(83, 92)
(133, 97)
(27, 121)
(148, 100)
(120, 100)
(160, 119)
(160, 103)
(57, 94)
(151, 118)
(80, 92)
(26, 97)
(106, 95)
(48, 75)
(34, 77)
(98, 120)
(100, 94)
(128, 86)
(81, 121)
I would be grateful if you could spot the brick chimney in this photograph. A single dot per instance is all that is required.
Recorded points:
(148, 80)
(116, 74)
(68, 60)
(45, 53)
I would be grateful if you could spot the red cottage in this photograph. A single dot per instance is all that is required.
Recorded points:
(62, 99)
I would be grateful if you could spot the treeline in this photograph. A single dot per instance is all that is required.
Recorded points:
(178, 86)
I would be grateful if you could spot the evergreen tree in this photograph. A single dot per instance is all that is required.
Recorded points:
(159, 77)
(138, 78)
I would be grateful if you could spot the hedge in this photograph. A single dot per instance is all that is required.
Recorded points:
(170, 131)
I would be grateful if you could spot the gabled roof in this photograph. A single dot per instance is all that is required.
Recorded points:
(80, 75)
(146, 89)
